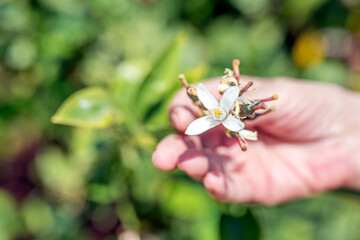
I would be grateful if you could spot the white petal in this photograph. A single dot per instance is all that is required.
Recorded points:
(233, 124)
(201, 125)
(206, 98)
(250, 135)
(229, 97)
(223, 87)
(245, 100)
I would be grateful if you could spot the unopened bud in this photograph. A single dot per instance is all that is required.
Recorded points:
(183, 80)
(246, 87)
(246, 110)
(192, 94)
(242, 143)
(236, 64)
(260, 106)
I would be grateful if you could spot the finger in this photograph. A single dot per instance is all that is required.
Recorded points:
(227, 181)
(259, 175)
(223, 188)
(214, 182)
(275, 174)
(195, 163)
(167, 152)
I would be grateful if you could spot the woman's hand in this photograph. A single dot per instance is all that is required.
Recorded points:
(311, 143)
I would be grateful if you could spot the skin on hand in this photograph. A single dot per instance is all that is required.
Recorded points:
(308, 145)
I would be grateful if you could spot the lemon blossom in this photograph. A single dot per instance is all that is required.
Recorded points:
(218, 112)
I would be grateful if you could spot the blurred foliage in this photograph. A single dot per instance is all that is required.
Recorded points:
(110, 68)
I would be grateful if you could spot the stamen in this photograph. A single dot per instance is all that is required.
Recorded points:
(246, 87)
(242, 143)
(217, 112)
(256, 115)
(236, 64)
(273, 97)
(183, 80)
(260, 106)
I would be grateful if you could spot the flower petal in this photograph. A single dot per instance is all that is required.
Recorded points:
(229, 97)
(201, 125)
(233, 124)
(243, 99)
(206, 98)
(250, 135)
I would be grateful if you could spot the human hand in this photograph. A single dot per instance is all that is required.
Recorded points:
(309, 144)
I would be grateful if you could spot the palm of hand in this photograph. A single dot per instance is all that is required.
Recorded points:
(301, 148)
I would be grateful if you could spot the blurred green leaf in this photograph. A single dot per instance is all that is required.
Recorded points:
(38, 216)
(327, 71)
(245, 227)
(251, 7)
(9, 220)
(63, 36)
(161, 79)
(186, 200)
(266, 36)
(59, 175)
(21, 54)
(229, 40)
(64, 6)
(298, 11)
(89, 107)
(127, 215)
(104, 194)
(158, 119)
(16, 16)
(327, 216)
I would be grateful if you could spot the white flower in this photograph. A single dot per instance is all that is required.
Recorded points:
(246, 134)
(219, 113)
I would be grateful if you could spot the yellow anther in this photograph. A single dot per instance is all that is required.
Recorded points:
(217, 112)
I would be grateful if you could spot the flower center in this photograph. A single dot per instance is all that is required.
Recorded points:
(217, 114)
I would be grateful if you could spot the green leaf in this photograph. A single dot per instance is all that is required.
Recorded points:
(186, 200)
(89, 107)
(157, 117)
(330, 71)
(244, 227)
(161, 79)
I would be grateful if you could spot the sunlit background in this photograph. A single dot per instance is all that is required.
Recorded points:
(105, 71)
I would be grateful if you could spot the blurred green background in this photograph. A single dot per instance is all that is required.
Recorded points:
(105, 71)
